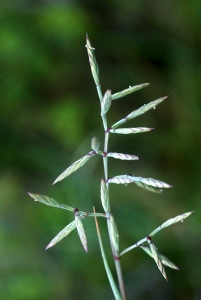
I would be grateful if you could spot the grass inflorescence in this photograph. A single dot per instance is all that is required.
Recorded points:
(150, 184)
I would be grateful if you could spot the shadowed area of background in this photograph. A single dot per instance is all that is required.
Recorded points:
(49, 111)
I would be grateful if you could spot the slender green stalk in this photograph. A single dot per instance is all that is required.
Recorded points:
(91, 214)
(115, 254)
(120, 278)
(133, 246)
(109, 274)
(105, 159)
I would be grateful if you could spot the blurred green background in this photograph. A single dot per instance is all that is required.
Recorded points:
(49, 111)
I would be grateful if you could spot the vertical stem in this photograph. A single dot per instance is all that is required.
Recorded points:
(109, 274)
(115, 255)
(105, 159)
(95, 73)
(120, 278)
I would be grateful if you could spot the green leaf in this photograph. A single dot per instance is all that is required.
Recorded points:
(62, 234)
(76, 165)
(81, 232)
(129, 130)
(50, 201)
(128, 91)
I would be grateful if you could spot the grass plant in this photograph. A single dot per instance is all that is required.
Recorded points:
(150, 184)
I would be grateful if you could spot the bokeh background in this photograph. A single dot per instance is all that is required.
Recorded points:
(49, 111)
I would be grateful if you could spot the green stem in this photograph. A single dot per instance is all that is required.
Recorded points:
(86, 214)
(105, 159)
(109, 274)
(120, 278)
(133, 246)
(115, 254)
